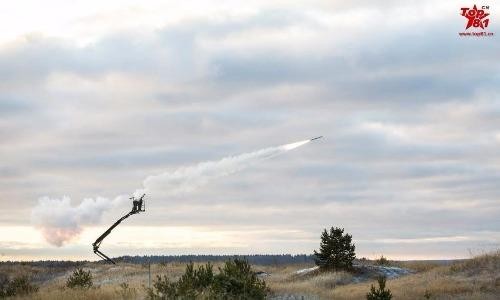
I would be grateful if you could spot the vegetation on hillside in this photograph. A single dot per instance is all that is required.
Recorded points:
(477, 278)
(80, 279)
(235, 280)
(18, 286)
(382, 261)
(380, 293)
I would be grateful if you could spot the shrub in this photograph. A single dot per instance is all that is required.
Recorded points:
(126, 292)
(382, 261)
(17, 287)
(79, 279)
(194, 282)
(235, 280)
(381, 293)
(163, 288)
(336, 250)
(4, 284)
(204, 276)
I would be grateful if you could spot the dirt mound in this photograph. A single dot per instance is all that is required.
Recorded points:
(361, 272)
(368, 272)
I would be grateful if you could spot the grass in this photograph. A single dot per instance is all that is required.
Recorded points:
(316, 285)
(477, 278)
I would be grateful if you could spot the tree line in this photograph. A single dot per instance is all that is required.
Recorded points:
(257, 259)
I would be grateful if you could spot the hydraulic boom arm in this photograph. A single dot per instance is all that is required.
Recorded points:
(137, 209)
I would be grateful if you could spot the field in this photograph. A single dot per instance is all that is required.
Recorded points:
(477, 278)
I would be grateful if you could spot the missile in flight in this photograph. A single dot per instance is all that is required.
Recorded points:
(318, 137)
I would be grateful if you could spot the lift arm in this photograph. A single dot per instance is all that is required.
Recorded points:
(99, 240)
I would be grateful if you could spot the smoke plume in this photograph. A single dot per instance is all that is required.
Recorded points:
(186, 179)
(59, 222)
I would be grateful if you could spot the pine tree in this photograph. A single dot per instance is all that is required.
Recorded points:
(381, 293)
(80, 279)
(336, 250)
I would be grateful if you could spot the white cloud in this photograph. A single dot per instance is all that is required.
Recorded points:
(96, 96)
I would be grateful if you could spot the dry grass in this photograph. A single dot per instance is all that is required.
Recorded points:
(108, 281)
(283, 283)
(417, 266)
(478, 278)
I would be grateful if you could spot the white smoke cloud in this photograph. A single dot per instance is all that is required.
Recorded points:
(187, 179)
(60, 222)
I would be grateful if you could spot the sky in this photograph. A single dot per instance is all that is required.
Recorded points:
(95, 96)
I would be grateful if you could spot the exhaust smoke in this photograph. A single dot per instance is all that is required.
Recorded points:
(59, 222)
(186, 179)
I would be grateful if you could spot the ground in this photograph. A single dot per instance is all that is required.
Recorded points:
(477, 278)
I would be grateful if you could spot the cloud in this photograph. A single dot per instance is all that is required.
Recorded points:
(410, 119)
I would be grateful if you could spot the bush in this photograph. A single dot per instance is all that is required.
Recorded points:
(17, 287)
(80, 279)
(126, 292)
(382, 261)
(336, 250)
(194, 282)
(381, 293)
(4, 284)
(235, 280)
(163, 288)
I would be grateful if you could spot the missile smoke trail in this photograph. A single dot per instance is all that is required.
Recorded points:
(59, 222)
(186, 179)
